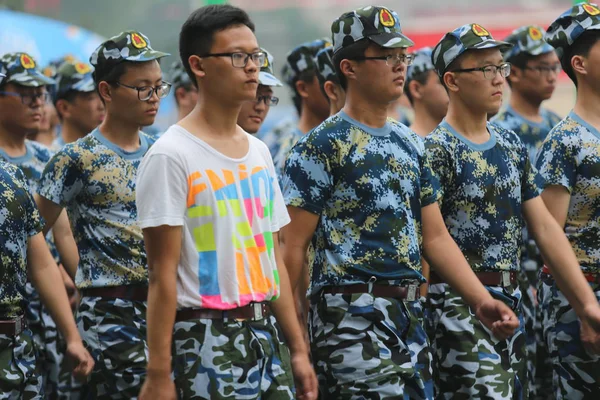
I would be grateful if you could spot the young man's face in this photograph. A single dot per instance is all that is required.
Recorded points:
(18, 117)
(85, 111)
(222, 80)
(253, 113)
(435, 97)
(591, 65)
(479, 92)
(125, 103)
(537, 80)
(49, 117)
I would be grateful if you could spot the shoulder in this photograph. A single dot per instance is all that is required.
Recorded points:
(505, 135)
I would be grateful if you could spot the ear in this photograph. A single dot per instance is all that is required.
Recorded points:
(578, 65)
(348, 68)
(180, 94)
(414, 88)
(105, 91)
(63, 108)
(330, 91)
(515, 74)
(196, 66)
(302, 88)
(451, 81)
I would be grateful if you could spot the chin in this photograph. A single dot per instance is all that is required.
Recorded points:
(147, 121)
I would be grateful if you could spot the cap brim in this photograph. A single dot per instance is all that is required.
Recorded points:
(31, 79)
(267, 79)
(491, 44)
(148, 56)
(85, 85)
(392, 40)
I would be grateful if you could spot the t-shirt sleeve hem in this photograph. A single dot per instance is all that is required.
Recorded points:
(159, 221)
(310, 207)
(557, 183)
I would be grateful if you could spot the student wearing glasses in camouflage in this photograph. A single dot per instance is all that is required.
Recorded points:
(94, 180)
(489, 189)
(253, 113)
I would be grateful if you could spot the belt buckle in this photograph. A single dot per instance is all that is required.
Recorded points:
(258, 311)
(505, 278)
(412, 293)
(18, 325)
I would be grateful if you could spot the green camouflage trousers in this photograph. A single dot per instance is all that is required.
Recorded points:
(576, 374)
(231, 359)
(367, 347)
(19, 378)
(469, 362)
(114, 331)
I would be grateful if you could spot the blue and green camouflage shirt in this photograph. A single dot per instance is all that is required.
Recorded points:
(570, 157)
(95, 180)
(280, 141)
(32, 163)
(483, 188)
(19, 220)
(368, 187)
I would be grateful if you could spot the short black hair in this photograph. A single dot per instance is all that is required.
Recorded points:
(356, 49)
(68, 96)
(304, 76)
(197, 33)
(111, 74)
(581, 47)
(421, 78)
(520, 61)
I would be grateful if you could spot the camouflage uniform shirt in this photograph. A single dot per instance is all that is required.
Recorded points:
(280, 141)
(19, 220)
(32, 163)
(95, 181)
(368, 186)
(570, 157)
(483, 188)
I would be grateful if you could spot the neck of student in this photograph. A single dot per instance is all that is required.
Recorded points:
(466, 121)
(124, 134)
(365, 111)
(219, 118)
(424, 123)
(45, 137)
(70, 133)
(12, 143)
(587, 105)
(308, 120)
(524, 106)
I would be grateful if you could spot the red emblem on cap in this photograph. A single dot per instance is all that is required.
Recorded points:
(480, 30)
(535, 33)
(82, 68)
(386, 18)
(138, 41)
(590, 9)
(27, 62)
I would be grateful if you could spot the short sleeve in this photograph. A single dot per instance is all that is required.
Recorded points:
(161, 191)
(532, 183)
(34, 224)
(61, 180)
(438, 165)
(556, 161)
(307, 180)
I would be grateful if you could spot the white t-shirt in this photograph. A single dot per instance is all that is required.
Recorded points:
(229, 209)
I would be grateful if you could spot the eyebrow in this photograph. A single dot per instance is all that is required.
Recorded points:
(490, 62)
(147, 81)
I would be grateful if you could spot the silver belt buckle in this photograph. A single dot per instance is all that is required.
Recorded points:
(412, 293)
(258, 311)
(505, 278)
(18, 325)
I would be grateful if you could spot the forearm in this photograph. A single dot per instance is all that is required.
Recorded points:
(284, 311)
(67, 248)
(162, 306)
(447, 260)
(294, 258)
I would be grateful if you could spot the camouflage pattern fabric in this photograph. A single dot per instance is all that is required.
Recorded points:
(266, 75)
(570, 157)
(367, 347)
(466, 37)
(280, 141)
(114, 331)
(483, 188)
(421, 64)
(178, 76)
(95, 181)
(541, 385)
(325, 67)
(301, 60)
(377, 24)
(230, 359)
(127, 46)
(571, 24)
(21, 69)
(19, 377)
(469, 362)
(368, 187)
(529, 40)
(74, 76)
(576, 373)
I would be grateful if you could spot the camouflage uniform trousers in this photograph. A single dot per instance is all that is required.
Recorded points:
(231, 359)
(367, 347)
(19, 373)
(576, 373)
(469, 362)
(114, 331)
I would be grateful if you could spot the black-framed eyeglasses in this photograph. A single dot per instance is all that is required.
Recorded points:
(145, 92)
(270, 101)
(545, 70)
(28, 99)
(489, 71)
(392, 60)
(240, 59)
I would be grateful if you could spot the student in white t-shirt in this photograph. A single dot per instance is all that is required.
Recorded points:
(211, 209)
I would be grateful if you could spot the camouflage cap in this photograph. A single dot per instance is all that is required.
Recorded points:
(325, 67)
(301, 59)
(51, 69)
(455, 43)
(76, 76)
(179, 76)
(529, 40)
(563, 32)
(21, 68)
(127, 46)
(422, 63)
(266, 76)
(377, 24)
